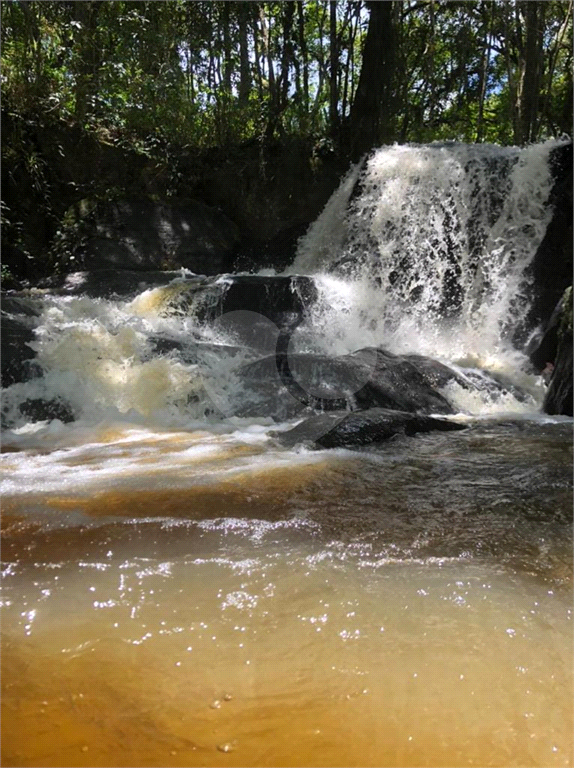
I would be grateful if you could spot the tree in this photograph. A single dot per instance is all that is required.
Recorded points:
(373, 113)
(355, 73)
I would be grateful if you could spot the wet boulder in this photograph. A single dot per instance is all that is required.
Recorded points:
(191, 351)
(400, 382)
(543, 345)
(436, 374)
(40, 409)
(339, 429)
(280, 299)
(18, 318)
(558, 399)
(284, 385)
(246, 310)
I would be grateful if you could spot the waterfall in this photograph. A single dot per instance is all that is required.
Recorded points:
(422, 249)
(426, 249)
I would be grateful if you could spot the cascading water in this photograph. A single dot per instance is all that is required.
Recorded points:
(181, 588)
(421, 250)
(426, 249)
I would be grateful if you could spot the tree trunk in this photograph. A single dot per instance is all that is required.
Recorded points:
(227, 64)
(244, 69)
(511, 75)
(272, 86)
(334, 67)
(287, 53)
(305, 57)
(87, 58)
(484, 74)
(532, 69)
(552, 59)
(372, 114)
(257, 51)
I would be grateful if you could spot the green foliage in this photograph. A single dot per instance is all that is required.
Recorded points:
(213, 74)
(156, 82)
(6, 275)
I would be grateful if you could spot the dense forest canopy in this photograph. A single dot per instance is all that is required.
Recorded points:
(347, 72)
(106, 98)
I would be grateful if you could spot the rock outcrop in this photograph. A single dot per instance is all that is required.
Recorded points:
(144, 233)
(550, 352)
(339, 428)
(17, 321)
(552, 263)
(559, 395)
(283, 386)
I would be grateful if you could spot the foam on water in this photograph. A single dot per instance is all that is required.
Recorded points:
(421, 250)
(98, 355)
(426, 249)
(128, 459)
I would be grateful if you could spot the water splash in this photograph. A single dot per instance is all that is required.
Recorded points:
(421, 250)
(426, 249)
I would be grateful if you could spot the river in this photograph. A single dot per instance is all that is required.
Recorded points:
(181, 589)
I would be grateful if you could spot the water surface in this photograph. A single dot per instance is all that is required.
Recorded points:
(194, 599)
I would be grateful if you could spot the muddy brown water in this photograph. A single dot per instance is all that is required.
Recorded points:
(187, 600)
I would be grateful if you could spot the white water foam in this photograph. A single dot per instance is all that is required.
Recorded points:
(426, 250)
(431, 255)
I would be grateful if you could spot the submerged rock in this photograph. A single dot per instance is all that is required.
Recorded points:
(191, 352)
(558, 399)
(340, 428)
(39, 409)
(282, 385)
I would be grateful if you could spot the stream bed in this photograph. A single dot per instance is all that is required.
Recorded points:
(186, 598)
(184, 587)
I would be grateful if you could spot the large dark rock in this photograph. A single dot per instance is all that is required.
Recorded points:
(273, 296)
(141, 233)
(558, 399)
(552, 264)
(284, 385)
(436, 374)
(40, 409)
(272, 190)
(280, 299)
(543, 345)
(396, 382)
(17, 321)
(340, 428)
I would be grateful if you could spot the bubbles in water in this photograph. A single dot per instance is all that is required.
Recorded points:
(421, 250)
(428, 249)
